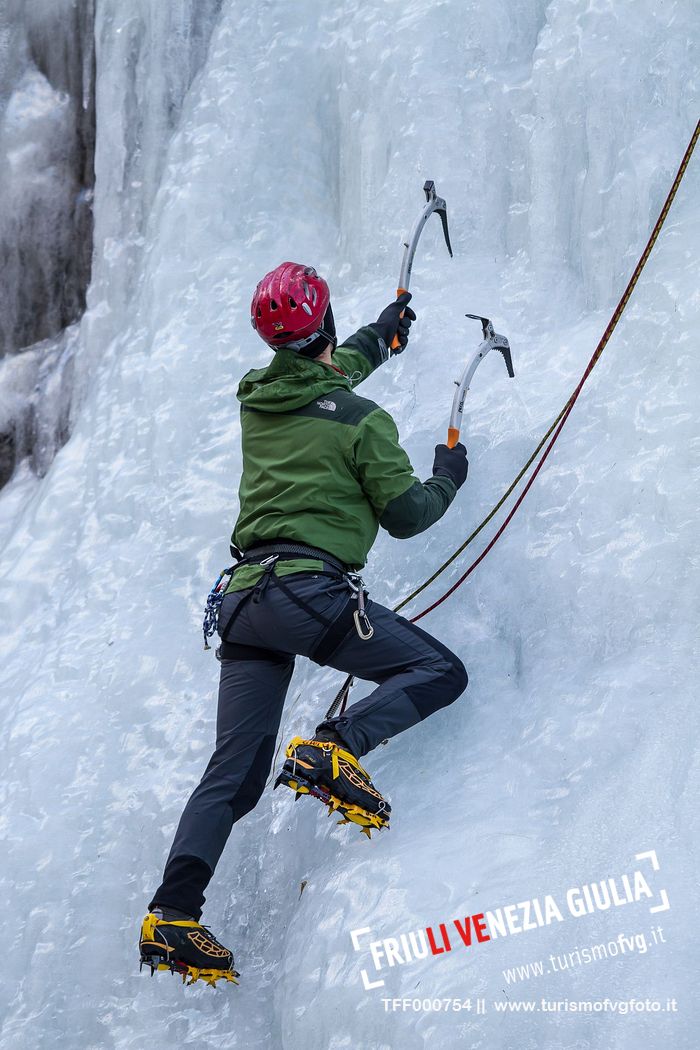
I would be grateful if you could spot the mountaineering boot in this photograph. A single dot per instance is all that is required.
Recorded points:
(184, 946)
(330, 772)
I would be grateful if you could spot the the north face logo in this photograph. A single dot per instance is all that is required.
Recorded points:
(330, 406)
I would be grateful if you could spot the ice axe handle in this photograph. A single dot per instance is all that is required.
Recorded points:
(452, 437)
(395, 344)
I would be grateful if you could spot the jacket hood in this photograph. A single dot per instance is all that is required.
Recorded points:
(288, 382)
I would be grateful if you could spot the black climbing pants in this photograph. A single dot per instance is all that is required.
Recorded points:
(415, 675)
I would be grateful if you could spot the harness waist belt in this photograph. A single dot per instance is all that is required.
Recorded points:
(292, 549)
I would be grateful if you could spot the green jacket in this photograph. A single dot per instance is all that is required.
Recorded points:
(323, 466)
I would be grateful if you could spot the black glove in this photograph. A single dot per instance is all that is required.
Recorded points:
(390, 323)
(451, 463)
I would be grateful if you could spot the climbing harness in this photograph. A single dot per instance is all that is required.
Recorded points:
(433, 204)
(256, 555)
(268, 555)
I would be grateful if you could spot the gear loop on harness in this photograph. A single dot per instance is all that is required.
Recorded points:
(264, 581)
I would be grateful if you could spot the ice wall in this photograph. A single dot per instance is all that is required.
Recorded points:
(553, 132)
(46, 172)
(47, 136)
(47, 145)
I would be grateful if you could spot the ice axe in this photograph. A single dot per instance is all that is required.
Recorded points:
(491, 341)
(433, 203)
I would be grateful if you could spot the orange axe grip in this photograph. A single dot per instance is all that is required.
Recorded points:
(395, 341)
(452, 437)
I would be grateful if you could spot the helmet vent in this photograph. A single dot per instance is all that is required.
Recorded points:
(306, 308)
(292, 303)
(273, 304)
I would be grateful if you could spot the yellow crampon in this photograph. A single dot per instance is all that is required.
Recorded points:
(189, 974)
(208, 976)
(194, 974)
(350, 812)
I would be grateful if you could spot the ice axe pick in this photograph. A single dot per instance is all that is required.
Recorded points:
(491, 341)
(433, 204)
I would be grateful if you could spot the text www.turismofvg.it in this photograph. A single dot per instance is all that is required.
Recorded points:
(623, 944)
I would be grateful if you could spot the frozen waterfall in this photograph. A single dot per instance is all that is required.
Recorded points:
(230, 136)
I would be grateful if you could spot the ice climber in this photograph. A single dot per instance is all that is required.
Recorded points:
(322, 470)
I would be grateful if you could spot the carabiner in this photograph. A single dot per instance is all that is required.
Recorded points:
(366, 634)
(364, 628)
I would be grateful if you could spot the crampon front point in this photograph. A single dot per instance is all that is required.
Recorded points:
(177, 946)
(327, 772)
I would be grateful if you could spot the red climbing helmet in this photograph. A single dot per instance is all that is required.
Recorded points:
(289, 307)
